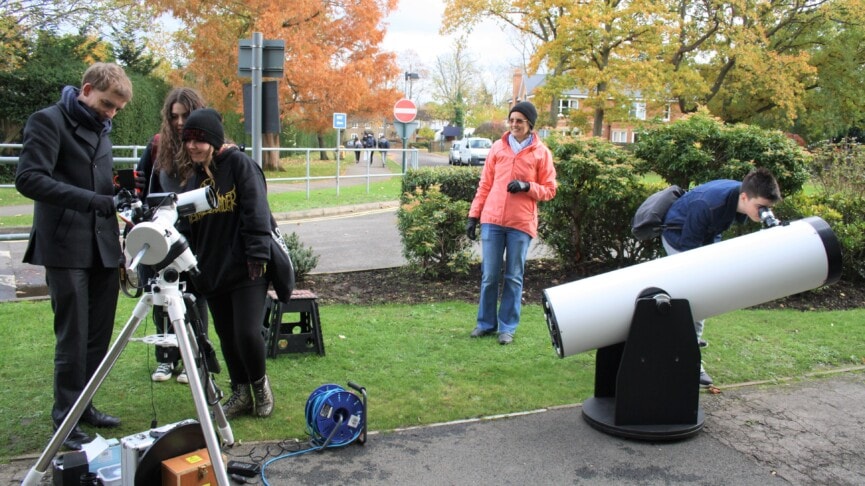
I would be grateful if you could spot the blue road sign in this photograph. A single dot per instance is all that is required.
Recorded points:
(339, 121)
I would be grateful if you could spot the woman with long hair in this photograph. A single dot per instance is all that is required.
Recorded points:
(160, 165)
(233, 244)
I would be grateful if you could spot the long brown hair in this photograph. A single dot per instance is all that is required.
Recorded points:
(167, 159)
(186, 167)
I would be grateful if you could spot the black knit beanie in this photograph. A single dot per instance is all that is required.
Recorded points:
(205, 125)
(528, 110)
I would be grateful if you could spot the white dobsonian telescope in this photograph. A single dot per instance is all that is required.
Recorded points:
(640, 319)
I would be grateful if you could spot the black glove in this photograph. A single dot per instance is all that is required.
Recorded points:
(472, 228)
(518, 186)
(140, 182)
(256, 269)
(103, 205)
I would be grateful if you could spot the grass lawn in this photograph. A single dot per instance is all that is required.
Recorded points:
(416, 362)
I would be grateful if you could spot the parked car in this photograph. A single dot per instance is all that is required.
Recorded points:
(474, 150)
(454, 154)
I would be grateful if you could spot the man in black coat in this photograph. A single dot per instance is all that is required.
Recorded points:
(65, 166)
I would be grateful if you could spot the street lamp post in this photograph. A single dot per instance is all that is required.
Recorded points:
(412, 77)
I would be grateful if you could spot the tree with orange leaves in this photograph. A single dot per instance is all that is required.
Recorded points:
(332, 57)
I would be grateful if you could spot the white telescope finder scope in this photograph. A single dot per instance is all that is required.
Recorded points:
(157, 242)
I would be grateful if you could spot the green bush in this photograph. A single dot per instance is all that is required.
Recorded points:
(845, 214)
(589, 220)
(432, 227)
(698, 148)
(457, 183)
(839, 167)
(303, 259)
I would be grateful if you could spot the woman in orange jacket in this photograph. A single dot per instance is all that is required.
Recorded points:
(517, 174)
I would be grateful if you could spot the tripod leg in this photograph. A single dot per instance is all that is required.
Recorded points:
(177, 311)
(218, 414)
(207, 365)
(142, 309)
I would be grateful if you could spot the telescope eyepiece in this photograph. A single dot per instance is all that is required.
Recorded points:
(767, 217)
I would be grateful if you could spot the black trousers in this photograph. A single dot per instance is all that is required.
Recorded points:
(84, 301)
(237, 318)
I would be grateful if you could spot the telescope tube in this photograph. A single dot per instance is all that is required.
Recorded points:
(740, 272)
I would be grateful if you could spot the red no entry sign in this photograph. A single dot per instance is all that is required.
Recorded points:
(404, 110)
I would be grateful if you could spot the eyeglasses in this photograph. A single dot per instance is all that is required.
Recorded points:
(518, 121)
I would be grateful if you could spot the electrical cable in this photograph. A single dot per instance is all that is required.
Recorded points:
(334, 418)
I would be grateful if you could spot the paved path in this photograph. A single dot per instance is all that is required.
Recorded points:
(802, 433)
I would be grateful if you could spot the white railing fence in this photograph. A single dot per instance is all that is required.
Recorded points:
(129, 155)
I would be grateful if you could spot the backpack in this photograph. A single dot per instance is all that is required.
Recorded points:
(648, 221)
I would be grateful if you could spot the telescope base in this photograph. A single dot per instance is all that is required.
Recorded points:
(600, 414)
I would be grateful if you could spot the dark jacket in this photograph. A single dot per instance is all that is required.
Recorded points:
(238, 230)
(62, 166)
(700, 216)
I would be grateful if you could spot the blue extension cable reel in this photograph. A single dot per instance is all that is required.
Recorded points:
(336, 417)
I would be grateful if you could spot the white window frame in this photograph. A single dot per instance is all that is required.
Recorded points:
(619, 135)
(638, 110)
(668, 111)
(568, 104)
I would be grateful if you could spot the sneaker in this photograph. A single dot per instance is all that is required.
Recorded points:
(478, 332)
(705, 379)
(506, 338)
(183, 377)
(702, 343)
(163, 372)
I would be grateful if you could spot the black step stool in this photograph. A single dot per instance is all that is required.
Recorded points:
(301, 336)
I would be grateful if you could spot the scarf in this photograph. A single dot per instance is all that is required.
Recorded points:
(518, 146)
(82, 113)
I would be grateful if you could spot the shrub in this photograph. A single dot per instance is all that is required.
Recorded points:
(845, 214)
(698, 148)
(589, 220)
(457, 183)
(839, 167)
(303, 259)
(432, 227)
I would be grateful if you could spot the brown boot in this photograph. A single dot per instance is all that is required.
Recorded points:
(263, 397)
(240, 401)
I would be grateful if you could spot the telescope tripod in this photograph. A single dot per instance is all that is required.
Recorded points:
(165, 292)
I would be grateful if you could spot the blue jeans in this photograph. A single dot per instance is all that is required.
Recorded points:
(509, 246)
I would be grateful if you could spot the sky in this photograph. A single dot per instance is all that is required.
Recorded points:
(415, 25)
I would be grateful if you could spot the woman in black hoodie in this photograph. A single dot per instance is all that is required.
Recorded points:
(232, 243)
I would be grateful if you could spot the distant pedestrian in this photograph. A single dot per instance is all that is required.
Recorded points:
(383, 143)
(369, 145)
(355, 144)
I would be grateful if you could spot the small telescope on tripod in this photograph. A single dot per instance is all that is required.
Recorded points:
(156, 242)
(640, 319)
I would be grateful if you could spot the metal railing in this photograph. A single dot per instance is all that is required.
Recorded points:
(406, 158)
